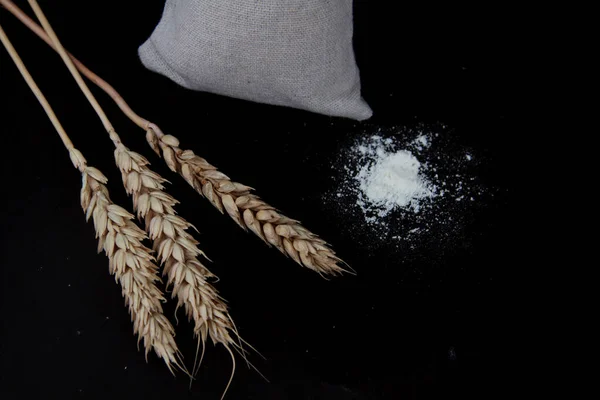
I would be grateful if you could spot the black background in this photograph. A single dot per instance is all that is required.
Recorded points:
(401, 328)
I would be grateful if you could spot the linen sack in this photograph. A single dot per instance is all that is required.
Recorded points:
(295, 53)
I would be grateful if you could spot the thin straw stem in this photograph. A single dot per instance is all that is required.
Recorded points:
(73, 69)
(35, 89)
(101, 83)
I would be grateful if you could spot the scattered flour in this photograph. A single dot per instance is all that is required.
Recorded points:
(422, 142)
(406, 185)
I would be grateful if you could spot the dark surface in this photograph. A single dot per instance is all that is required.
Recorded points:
(401, 328)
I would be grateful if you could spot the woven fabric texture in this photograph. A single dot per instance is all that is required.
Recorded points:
(295, 53)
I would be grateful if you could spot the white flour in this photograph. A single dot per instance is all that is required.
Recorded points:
(403, 184)
(391, 180)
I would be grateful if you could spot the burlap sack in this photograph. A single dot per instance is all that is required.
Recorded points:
(295, 53)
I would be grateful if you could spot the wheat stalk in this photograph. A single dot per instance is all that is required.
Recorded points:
(129, 260)
(176, 248)
(178, 253)
(246, 209)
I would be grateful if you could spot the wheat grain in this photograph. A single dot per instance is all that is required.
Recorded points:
(246, 209)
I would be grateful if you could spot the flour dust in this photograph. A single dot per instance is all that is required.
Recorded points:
(405, 186)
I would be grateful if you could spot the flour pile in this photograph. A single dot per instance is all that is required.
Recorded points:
(390, 181)
(404, 185)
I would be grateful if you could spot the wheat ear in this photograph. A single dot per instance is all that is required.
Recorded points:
(175, 247)
(246, 209)
(129, 260)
